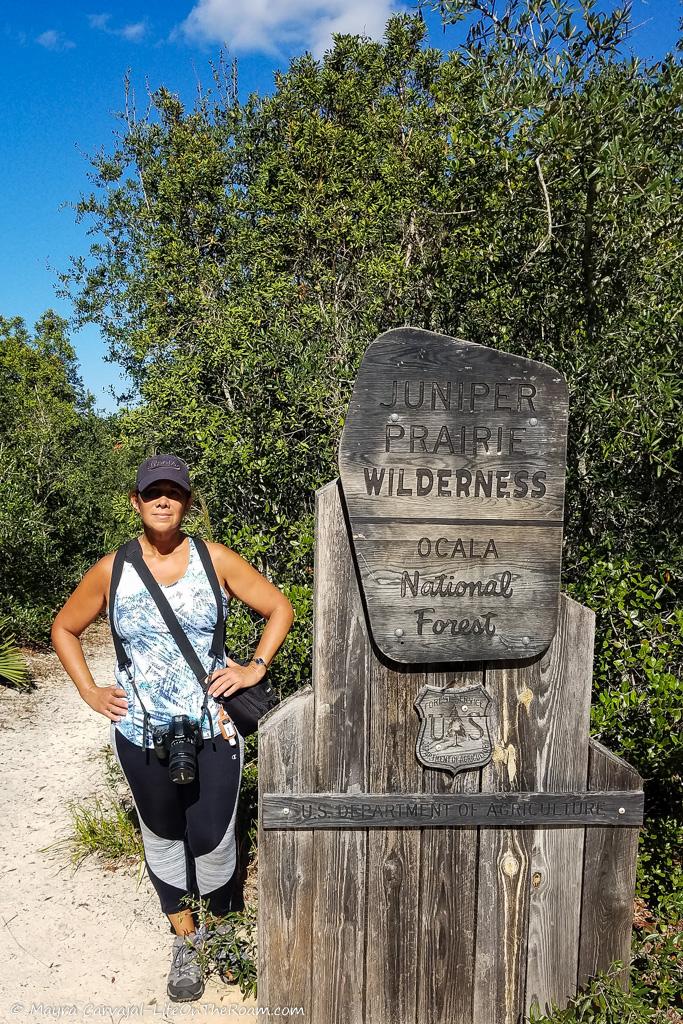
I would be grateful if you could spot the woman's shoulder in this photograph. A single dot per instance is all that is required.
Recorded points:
(222, 558)
(221, 555)
(217, 549)
(105, 565)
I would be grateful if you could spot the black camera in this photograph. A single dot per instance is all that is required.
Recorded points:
(179, 742)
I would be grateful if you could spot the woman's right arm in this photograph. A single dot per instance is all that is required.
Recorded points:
(85, 604)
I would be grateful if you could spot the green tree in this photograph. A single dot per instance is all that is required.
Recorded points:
(57, 478)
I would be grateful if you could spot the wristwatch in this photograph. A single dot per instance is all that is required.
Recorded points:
(259, 661)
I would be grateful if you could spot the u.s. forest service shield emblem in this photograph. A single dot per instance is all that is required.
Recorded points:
(454, 729)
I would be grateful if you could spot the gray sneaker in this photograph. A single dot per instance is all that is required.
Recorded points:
(185, 979)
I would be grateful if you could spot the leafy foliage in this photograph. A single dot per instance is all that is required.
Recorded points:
(59, 472)
(230, 948)
(638, 704)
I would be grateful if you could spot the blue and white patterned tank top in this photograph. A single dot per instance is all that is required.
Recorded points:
(165, 682)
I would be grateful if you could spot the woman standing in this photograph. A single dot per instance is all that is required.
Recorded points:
(188, 831)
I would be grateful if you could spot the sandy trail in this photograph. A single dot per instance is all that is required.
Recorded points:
(88, 940)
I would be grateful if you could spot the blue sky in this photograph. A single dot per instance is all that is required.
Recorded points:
(63, 70)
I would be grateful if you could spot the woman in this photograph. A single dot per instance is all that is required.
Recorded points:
(188, 830)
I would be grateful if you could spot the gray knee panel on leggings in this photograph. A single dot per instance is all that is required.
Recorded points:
(219, 781)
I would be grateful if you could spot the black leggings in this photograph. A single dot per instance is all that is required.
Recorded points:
(188, 831)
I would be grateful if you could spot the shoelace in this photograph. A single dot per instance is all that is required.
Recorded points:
(184, 958)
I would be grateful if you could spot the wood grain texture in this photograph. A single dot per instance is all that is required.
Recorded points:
(455, 444)
(505, 854)
(555, 739)
(609, 876)
(342, 661)
(446, 909)
(393, 576)
(285, 890)
(393, 867)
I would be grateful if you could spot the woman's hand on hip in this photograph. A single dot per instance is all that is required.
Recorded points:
(234, 677)
(109, 701)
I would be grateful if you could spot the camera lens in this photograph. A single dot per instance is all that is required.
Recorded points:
(182, 761)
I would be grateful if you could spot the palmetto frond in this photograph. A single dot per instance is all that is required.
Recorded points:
(13, 668)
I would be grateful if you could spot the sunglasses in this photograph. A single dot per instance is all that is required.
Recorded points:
(155, 491)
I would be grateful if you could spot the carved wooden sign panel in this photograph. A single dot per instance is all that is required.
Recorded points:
(452, 464)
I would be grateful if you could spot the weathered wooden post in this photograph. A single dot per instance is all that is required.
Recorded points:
(439, 838)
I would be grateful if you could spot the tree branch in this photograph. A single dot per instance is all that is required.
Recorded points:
(546, 240)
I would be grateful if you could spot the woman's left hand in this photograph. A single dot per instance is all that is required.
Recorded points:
(234, 677)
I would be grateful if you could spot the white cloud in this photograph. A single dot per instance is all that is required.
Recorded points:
(51, 39)
(99, 21)
(269, 25)
(133, 32)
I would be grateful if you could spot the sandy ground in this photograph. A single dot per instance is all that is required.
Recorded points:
(85, 943)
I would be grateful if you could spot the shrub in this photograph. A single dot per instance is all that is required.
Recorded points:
(656, 992)
(638, 704)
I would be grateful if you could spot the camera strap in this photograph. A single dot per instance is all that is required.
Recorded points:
(218, 641)
(122, 658)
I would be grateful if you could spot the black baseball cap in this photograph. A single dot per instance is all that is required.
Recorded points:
(163, 467)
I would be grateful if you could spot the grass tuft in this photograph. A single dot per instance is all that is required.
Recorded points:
(106, 827)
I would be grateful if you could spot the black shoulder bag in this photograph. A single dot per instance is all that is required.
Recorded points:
(248, 705)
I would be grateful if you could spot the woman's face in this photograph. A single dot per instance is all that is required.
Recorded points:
(162, 506)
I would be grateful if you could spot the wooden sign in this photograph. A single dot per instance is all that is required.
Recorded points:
(417, 810)
(391, 891)
(452, 463)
